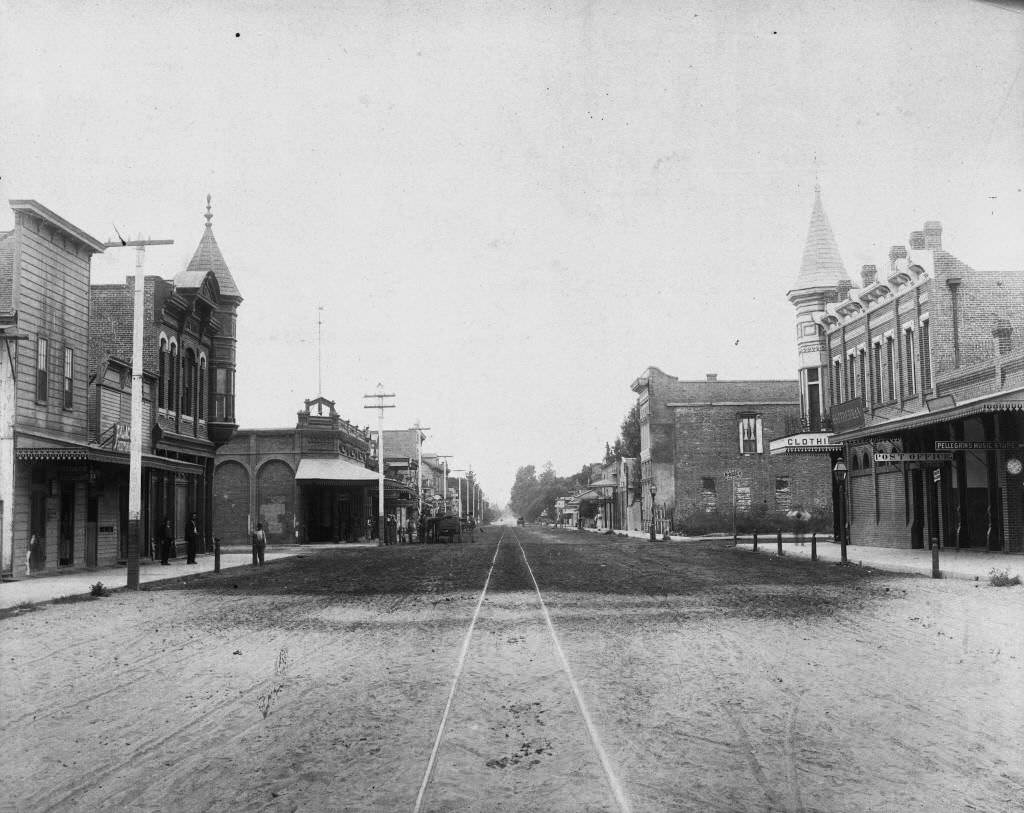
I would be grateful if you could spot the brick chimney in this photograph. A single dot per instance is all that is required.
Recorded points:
(843, 290)
(1001, 332)
(868, 275)
(917, 241)
(712, 376)
(896, 253)
(933, 235)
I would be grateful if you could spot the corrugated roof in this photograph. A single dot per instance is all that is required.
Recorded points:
(822, 266)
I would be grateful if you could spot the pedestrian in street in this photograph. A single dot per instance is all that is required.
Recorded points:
(30, 552)
(410, 530)
(192, 538)
(259, 544)
(421, 529)
(166, 540)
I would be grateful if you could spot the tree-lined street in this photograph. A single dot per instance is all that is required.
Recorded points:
(593, 673)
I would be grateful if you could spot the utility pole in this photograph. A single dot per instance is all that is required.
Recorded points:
(380, 406)
(135, 438)
(459, 472)
(319, 368)
(419, 460)
(444, 488)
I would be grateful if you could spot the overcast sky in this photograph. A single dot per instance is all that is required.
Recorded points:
(509, 210)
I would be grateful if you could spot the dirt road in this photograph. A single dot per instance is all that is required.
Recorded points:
(590, 674)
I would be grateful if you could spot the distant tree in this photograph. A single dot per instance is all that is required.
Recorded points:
(524, 490)
(629, 434)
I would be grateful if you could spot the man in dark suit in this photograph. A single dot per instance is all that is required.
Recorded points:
(192, 537)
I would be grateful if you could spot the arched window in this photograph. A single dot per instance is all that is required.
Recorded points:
(201, 407)
(161, 392)
(188, 383)
(172, 377)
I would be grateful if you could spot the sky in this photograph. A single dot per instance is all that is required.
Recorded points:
(505, 212)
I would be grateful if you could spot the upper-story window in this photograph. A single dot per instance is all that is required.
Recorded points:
(751, 434)
(172, 376)
(926, 357)
(161, 384)
(224, 394)
(890, 362)
(909, 377)
(835, 391)
(201, 405)
(188, 383)
(862, 378)
(42, 346)
(69, 378)
(876, 373)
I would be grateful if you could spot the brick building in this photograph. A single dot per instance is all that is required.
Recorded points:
(309, 483)
(189, 349)
(704, 446)
(926, 393)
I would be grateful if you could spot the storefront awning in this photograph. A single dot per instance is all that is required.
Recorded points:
(1009, 401)
(333, 468)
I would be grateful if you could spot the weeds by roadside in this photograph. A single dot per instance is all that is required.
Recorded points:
(1002, 578)
(98, 590)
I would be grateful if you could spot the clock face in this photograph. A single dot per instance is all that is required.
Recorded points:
(1014, 466)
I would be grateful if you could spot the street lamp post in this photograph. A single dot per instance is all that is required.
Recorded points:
(654, 493)
(839, 472)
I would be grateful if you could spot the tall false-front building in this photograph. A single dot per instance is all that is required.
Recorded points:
(45, 458)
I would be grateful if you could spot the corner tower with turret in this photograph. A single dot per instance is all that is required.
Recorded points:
(822, 279)
(222, 423)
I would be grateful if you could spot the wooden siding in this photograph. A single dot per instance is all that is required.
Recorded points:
(52, 299)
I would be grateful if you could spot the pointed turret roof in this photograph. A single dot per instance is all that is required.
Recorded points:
(208, 258)
(822, 267)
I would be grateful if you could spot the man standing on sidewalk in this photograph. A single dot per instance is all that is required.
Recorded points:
(192, 538)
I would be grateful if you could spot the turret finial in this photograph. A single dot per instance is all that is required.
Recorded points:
(209, 214)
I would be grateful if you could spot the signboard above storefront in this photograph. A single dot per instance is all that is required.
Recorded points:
(976, 445)
(913, 457)
(848, 415)
(805, 442)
